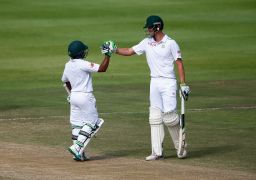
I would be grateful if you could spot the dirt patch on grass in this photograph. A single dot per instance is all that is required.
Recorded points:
(38, 162)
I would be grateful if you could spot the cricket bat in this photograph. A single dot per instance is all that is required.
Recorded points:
(181, 147)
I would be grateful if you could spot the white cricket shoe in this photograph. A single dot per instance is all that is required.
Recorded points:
(153, 157)
(183, 155)
(72, 149)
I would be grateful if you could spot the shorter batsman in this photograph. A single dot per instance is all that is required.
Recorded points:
(77, 77)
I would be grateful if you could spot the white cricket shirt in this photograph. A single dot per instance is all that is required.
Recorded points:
(78, 73)
(160, 55)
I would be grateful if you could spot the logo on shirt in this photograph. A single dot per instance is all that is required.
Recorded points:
(153, 44)
(92, 65)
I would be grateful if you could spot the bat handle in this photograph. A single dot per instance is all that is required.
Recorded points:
(182, 104)
(182, 111)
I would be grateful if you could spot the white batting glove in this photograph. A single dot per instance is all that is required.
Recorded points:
(185, 90)
(68, 99)
(108, 48)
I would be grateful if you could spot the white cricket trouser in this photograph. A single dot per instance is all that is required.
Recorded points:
(83, 109)
(163, 94)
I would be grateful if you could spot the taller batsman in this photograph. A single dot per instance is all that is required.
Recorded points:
(162, 52)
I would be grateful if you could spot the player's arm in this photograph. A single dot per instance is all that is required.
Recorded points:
(104, 65)
(125, 51)
(185, 90)
(68, 85)
(68, 88)
(181, 70)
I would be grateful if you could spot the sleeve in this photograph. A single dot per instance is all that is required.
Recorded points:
(175, 49)
(140, 48)
(89, 66)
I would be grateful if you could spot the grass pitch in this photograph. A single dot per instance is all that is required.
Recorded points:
(218, 44)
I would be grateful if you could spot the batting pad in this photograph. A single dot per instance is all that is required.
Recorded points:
(155, 115)
(94, 132)
(174, 132)
(157, 130)
(75, 132)
(157, 134)
(171, 120)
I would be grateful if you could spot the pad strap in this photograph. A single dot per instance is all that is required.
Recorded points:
(75, 131)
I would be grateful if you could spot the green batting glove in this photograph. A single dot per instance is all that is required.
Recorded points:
(108, 48)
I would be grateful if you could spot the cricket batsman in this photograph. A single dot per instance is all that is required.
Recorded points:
(162, 53)
(77, 78)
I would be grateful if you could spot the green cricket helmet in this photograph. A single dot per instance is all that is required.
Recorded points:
(77, 50)
(155, 22)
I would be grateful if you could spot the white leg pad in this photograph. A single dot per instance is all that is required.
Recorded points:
(94, 132)
(75, 132)
(171, 120)
(98, 126)
(174, 132)
(157, 130)
(84, 136)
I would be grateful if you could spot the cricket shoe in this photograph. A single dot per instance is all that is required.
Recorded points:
(154, 157)
(72, 149)
(84, 157)
(183, 155)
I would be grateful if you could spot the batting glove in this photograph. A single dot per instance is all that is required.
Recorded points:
(185, 90)
(108, 48)
(68, 99)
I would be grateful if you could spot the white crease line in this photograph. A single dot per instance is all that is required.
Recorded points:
(222, 108)
(34, 118)
(142, 112)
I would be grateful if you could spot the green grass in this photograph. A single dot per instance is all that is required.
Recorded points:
(218, 44)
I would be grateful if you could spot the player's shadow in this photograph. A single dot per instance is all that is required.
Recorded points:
(119, 153)
(192, 153)
(101, 157)
(206, 151)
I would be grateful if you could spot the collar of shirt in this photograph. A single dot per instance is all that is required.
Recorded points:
(165, 38)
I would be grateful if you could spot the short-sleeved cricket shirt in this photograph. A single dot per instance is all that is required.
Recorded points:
(78, 73)
(160, 55)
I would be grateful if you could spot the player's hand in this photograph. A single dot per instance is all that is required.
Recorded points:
(68, 99)
(185, 90)
(108, 48)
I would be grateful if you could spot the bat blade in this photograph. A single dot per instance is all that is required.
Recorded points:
(182, 133)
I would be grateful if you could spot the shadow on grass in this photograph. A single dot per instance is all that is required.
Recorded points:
(101, 157)
(206, 151)
(192, 154)
(125, 153)
(117, 154)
